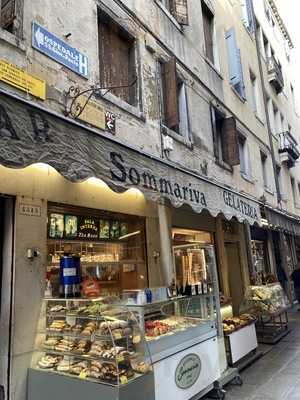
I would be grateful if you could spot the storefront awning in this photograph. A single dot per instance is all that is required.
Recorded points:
(282, 221)
(29, 134)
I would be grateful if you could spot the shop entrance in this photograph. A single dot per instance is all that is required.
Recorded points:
(235, 277)
(6, 279)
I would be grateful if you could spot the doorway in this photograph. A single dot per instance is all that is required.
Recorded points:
(7, 207)
(235, 276)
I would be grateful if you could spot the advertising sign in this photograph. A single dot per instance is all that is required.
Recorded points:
(53, 47)
(18, 78)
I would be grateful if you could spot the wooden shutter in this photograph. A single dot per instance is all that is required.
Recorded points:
(8, 12)
(230, 142)
(179, 9)
(207, 18)
(214, 130)
(116, 59)
(171, 95)
(233, 57)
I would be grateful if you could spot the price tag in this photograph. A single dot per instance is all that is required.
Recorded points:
(118, 335)
(123, 379)
(136, 339)
(82, 374)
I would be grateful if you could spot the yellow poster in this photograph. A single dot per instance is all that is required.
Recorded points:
(16, 77)
(93, 113)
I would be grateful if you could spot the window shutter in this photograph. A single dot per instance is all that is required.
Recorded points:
(250, 13)
(230, 142)
(171, 98)
(180, 11)
(8, 12)
(214, 130)
(233, 57)
(241, 84)
(208, 36)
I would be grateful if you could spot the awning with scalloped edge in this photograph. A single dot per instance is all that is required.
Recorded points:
(30, 134)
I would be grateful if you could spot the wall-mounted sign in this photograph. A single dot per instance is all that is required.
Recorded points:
(110, 122)
(30, 210)
(53, 47)
(188, 371)
(93, 113)
(16, 77)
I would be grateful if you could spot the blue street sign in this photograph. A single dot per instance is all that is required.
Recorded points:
(53, 47)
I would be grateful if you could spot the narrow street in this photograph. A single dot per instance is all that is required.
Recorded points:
(276, 376)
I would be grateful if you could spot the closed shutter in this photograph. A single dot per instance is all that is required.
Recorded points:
(171, 95)
(233, 57)
(116, 60)
(214, 131)
(230, 142)
(8, 13)
(179, 9)
(207, 18)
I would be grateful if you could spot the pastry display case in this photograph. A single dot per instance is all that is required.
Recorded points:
(94, 342)
(169, 324)
(267, 299)
(270, 304)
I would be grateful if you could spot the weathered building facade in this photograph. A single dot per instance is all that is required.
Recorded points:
(200, 88)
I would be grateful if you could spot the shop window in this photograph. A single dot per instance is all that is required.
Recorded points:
(245, 166)
(208, 29)
(225, 134)
(173, 98)
(192, 258)
(111, 247)
(236, 76)
(8, 15)
(117, 59)
(178, 9)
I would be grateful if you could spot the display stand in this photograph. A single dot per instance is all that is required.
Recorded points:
(272, 328)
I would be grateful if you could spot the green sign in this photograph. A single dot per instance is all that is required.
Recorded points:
(188, 371)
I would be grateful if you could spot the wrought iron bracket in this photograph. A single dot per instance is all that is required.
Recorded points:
(74, 107)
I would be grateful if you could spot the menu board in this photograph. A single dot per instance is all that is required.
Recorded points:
(65, 226)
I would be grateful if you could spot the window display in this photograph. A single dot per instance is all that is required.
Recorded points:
(260, 274)
(110, 246)
(91, 340)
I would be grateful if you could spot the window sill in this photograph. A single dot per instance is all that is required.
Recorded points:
(224, 165)
(212, 65)
(133, 110)
(237, 94)
(13, 40)
(169, 15)
(259, 119)
(247, 178)
(269, 191)
(178, 137)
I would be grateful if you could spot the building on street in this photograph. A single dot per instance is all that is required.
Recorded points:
(145, 145)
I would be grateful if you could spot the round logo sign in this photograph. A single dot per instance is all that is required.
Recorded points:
(188, 371)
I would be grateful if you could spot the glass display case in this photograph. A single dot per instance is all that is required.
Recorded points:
(93, 341)
(267, 299)
(270, 304)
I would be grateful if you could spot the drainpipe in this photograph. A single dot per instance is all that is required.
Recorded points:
(257, 42)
